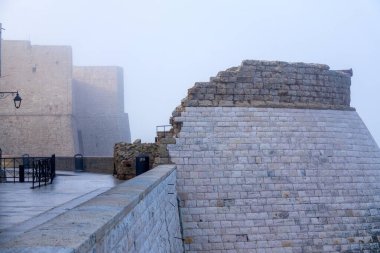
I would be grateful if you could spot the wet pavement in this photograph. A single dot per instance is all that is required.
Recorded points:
(22, 208)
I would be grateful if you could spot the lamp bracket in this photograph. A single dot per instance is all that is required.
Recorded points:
(4, 94)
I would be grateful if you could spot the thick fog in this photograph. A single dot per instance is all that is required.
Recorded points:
(165, 46)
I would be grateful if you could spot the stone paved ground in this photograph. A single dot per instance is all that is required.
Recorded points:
(22, 208)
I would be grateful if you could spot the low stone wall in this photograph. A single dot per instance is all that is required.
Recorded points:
(140, 215)
(125, 155)
(91, 164)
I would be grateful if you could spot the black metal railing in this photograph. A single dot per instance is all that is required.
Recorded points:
(43, 172)
(10, 170)
(37, 170)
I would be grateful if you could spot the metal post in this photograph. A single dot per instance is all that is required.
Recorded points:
(1, 28)
(33, 173)
(14, 170)
(46, 167)
(39, 172)
(52, 170)
(21, 173)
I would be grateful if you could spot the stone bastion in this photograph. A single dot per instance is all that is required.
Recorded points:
(271, 158)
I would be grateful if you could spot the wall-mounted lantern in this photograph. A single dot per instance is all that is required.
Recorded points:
(3, 94)
(17, 99)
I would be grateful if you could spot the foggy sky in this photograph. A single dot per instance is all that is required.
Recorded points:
(166, 46)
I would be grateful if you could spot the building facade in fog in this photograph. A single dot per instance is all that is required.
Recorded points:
(65, 109)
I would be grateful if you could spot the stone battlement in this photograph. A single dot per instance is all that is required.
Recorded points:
(274, 84)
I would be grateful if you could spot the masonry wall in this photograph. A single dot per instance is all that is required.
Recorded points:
(64, 110)
(99, 109)
(140, 215)
(42, 75)
(98, 134)
(285, 180)
(274, 84)
(37, 135)
(125, 155)
(276, 177)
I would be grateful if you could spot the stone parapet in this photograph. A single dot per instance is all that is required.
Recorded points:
(140, 215)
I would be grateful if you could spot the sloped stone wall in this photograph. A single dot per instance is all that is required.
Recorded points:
(276, 178)
(284, 180)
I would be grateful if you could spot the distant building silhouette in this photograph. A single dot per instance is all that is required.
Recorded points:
(65, 109)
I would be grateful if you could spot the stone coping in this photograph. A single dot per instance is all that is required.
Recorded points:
(78, 229)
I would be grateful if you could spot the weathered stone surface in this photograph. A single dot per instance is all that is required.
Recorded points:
(125, 156)
(274, 84)
(282, 177)
(261, 170)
